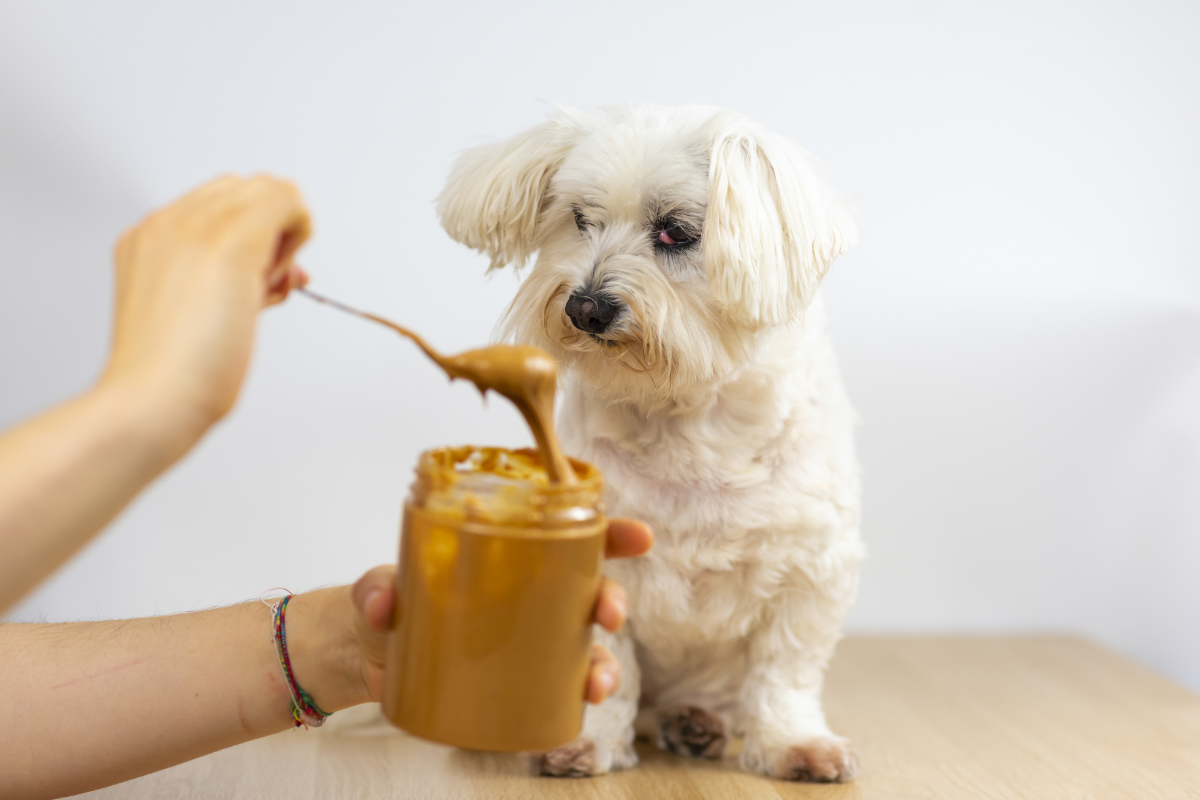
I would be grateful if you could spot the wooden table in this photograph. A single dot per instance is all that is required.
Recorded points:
(1028, 718)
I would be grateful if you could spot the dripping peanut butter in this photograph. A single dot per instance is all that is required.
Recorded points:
(525, 375)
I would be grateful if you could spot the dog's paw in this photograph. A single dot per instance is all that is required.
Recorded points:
(692, 732)
(574, 760)
(826, 759)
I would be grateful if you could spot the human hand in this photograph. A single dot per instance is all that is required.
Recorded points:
(374, 596)
(190, 281)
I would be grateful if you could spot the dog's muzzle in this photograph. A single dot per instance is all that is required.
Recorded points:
(591, 313)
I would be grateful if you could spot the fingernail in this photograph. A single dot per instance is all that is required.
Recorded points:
(607, 681)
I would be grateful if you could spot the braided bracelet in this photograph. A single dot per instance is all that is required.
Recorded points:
(304, 711)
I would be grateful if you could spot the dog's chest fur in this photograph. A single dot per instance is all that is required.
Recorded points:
(751, 488)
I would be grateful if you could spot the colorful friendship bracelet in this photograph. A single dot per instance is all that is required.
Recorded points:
(304, 711)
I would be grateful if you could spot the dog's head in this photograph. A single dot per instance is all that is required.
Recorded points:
(668, 240)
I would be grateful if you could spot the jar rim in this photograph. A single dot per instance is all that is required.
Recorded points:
(494, 489)
(442, 462)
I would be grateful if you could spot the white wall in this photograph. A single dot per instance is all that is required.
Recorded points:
(1020, 327)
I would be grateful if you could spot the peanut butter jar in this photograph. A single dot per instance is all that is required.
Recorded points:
(499, 575)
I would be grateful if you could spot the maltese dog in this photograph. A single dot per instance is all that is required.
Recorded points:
(678, 256)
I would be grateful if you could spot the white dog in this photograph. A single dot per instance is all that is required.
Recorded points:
(679, 251)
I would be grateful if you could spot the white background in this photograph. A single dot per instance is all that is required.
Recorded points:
(1019, 328)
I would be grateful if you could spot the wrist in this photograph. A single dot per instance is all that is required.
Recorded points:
(323, 649)
(165, 427)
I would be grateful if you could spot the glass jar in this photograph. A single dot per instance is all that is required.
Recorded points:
(498, 579)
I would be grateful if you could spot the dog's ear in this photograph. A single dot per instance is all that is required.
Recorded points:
(496, 192)
(773, 225)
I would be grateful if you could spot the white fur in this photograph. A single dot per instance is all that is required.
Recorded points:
(712, 403)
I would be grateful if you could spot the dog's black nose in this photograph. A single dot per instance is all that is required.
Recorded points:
(591, 312)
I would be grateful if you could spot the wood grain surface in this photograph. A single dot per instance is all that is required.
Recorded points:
(998, 718)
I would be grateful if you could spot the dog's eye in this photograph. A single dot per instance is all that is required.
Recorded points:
(674, 236)
(580, 222)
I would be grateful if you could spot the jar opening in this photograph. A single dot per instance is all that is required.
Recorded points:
(498, 486)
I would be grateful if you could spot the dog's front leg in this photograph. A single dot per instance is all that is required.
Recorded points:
(786, 733)
(607, 739)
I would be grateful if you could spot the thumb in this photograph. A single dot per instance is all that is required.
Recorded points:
(374, 597)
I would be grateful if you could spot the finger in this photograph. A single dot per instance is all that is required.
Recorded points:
(278, 278)
(627, 537)
(196, 205)
(281, 286)
(297, 227)
(612, 606)
(278, 203)
(205, 194)
(299, 277)
(263, 211)
(374, 595)
(604, 675)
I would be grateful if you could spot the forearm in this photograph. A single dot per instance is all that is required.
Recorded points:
(191, 279)
(92, 704)
(66, 473)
